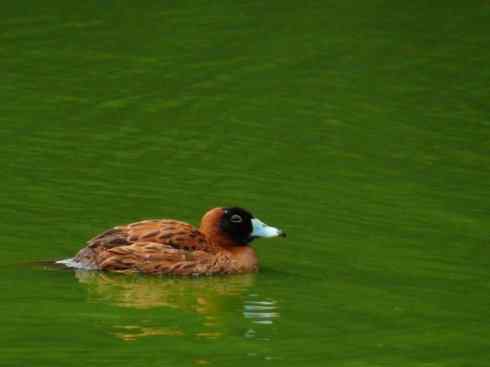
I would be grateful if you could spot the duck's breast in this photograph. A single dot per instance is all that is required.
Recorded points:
(244, 259)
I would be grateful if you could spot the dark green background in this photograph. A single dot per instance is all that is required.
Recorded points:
(361, 128)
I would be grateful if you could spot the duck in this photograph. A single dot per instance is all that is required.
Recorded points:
(221, 245)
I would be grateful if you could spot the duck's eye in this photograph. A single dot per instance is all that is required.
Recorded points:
(235, 218)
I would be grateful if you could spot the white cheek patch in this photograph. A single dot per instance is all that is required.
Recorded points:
(260, 229)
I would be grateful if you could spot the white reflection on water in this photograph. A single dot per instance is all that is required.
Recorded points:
(261, 311)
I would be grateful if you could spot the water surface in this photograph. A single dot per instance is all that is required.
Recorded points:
(362, 129)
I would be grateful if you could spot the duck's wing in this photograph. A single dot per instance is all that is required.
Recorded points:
(175, 234)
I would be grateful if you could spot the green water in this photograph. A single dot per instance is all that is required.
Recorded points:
(361, 128)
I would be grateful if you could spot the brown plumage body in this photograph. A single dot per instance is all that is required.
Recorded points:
(169, 247)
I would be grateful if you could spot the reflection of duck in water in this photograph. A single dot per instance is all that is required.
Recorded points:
(172, 247)
(200, 295)
(209, 297)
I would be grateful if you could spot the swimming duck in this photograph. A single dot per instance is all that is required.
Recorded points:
(219, 246)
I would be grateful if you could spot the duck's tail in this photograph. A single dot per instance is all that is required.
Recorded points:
(74, 263)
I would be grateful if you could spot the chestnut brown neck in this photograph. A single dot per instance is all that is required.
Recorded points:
(210, 226)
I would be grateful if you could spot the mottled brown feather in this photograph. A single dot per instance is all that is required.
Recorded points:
(165, 231)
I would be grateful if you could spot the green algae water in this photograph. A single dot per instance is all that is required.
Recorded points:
(361, 128)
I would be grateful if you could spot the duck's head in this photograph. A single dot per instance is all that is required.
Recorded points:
(235, 226)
